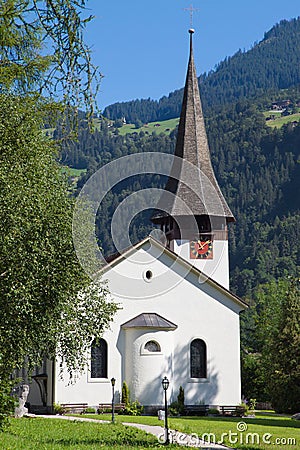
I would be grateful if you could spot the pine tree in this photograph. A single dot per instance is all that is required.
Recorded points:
(180, 400)
(284, 353)
(125, 393)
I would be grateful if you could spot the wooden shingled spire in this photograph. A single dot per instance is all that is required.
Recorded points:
(192, 184)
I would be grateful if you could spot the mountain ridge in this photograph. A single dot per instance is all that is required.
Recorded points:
(271, 64)
(257, 167)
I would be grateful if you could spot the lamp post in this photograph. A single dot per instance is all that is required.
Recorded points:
(113, 382)
(165, 384)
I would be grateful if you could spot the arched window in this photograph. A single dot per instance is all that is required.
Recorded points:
(152, 346)
(198, 359)
(99, 359)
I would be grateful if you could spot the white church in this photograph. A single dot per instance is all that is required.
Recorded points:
(178, 317)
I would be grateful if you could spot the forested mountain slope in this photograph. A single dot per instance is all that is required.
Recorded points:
(257, 167)
(271, 64)
(258, 171)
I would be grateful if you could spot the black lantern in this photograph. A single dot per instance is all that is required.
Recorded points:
(165, 384)
(113, 382)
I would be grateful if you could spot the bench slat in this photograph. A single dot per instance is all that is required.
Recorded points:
(117, 407)
(232, 410)
(69, 407)
(223, 410)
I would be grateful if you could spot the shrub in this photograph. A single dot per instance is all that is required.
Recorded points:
(213, 412)
(174, 409)
(125, 393)
(89, 410)
(58, 409)
(252, 403)
(245, 406)
(133, 409)
(180, 400)
(104, 411)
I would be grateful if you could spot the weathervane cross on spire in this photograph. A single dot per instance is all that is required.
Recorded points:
(191, 9)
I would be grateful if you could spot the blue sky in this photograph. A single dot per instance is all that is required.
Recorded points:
(141, 47)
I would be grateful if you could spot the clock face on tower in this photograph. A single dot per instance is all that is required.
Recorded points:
(201, 248)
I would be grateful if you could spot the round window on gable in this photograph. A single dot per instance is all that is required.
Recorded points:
(152, 347)
(148, 275)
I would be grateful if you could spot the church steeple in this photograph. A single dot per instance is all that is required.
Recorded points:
(192, 207)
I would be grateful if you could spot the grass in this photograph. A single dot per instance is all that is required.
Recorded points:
(263, 432)
(70, 172)
(281, 120)
(165, 126)
(55, 434)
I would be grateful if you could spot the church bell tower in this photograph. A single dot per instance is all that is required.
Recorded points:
(192, 212)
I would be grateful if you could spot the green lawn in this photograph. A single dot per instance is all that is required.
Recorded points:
(55, 434)
(265, 431)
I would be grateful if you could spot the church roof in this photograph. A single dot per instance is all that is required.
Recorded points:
(150, 320)
(192, 179)
(119, 257)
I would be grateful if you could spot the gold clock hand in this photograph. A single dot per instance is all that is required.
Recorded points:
(200, 245)
(204, 244)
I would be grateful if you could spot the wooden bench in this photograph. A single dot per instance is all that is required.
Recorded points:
(196, 410)
(233, 411)
(107, 407)
(74, 407)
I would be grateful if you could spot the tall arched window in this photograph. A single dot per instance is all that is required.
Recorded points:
(198, 359)
(99, 359)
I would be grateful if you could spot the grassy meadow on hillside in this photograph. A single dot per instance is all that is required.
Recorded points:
(279, 120)
(165, 126)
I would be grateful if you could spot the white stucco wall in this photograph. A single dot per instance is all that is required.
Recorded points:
(198, 308)
(144, 370)
(216, 268)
